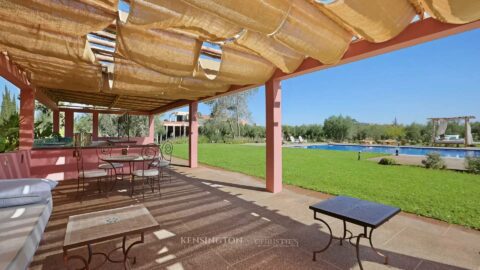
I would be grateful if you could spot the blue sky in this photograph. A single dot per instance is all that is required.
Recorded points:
(439, 78)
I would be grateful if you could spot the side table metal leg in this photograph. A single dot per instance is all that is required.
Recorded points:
(357, 246)
(385, 257)
(66, 258)
(89, 253)
(344, 232)
(329, 241)
(127, 250)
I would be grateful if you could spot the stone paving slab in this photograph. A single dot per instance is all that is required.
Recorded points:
(413, 242)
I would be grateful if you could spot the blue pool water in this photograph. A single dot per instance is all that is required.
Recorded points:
(417, 151)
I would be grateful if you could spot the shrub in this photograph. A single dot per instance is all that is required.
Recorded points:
(434, 161)
(178, 140)
(473, 164)
(239, 140)
(184, 140)
(387, 161)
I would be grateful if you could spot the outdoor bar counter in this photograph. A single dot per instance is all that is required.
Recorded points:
(54, 162)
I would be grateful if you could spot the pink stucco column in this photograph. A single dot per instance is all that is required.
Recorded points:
(69, 121)
(273, 98)
(151, 129)
(95, 126)
(193, 135)
(27, 113)
(56, 121)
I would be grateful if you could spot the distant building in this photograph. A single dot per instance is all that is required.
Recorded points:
(177, 124)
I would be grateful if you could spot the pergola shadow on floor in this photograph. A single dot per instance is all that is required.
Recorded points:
(232, 213)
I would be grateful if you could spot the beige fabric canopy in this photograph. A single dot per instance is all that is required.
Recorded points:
(78, 17)
(164, 51)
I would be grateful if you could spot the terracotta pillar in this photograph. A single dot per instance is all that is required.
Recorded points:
(27, 114)
(151, 129)
(95, 126)
(193, 135)
(56, 121)
(69, 121)
(273, 98)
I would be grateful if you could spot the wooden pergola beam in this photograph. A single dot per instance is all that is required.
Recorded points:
(114, 102)
(45, 100)
(12, 73)
(96, 40)
(106, 34)
(103, 111)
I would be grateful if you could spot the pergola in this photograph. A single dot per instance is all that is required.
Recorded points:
(162, 54)
(467, 131)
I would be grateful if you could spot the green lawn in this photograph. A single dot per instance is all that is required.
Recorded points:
(450, 196)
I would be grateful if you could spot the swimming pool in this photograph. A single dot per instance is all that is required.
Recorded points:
(403, 150)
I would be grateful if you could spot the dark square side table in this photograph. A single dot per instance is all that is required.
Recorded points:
(369, 215)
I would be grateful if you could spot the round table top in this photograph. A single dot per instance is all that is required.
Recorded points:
(126, 158)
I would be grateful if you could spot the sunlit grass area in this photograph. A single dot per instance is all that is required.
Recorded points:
(445, 195)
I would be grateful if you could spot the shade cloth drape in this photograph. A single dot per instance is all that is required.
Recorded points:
(294, 23)
(184, 18)
(452, 11)
(469, 137)
(374, 20)
(237, 67)
(78, 17)
(45, 43)
(52, 72)
(132, 78)
(442, 127)
(167, 14)
(160, 50)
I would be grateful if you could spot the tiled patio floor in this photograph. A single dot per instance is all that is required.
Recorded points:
(238, 218)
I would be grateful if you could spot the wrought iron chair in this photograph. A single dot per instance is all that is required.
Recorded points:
(87, 174)
(147, 173)
(110, 167)
(165, 159)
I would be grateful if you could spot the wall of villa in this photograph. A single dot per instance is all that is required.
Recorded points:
(56, 164)
(15, 164)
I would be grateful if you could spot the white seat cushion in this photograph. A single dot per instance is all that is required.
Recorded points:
(93, 174)
(161, 163)
(105, 166)
(148, 173)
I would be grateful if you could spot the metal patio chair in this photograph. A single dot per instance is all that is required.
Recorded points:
(86, 175)
(148, 174)
(165, 159)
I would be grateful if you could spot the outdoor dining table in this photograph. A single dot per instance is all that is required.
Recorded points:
(369, 215)
(129, 159)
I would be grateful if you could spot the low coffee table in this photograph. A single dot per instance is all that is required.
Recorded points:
(363, 213)
(90, 228)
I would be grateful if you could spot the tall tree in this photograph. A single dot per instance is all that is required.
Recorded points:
(83, 123)
(339, 128)
(43, 121)
(232, 109)
(9, 105)
(108, 125)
